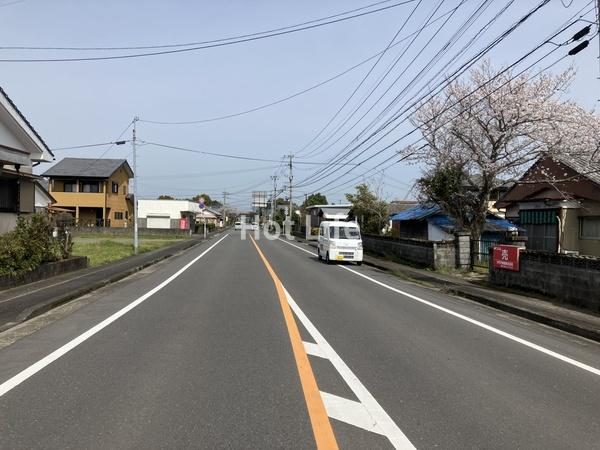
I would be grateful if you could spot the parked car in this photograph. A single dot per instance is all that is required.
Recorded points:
(237, 225)
(340, 241)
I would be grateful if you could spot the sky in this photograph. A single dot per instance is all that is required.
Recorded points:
(90, 102)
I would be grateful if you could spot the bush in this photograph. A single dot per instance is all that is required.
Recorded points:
(30, 244)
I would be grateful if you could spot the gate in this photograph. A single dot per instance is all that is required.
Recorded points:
(480, 253)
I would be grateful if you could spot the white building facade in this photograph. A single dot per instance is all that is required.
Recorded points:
(167, 214)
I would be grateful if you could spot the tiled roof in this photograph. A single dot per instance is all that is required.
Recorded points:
(86, 167)
(589, 169)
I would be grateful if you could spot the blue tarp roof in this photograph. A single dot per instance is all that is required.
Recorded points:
(434, 215)
(417, 212)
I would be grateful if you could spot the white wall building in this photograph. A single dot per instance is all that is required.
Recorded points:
(167, 214)
(20, 148)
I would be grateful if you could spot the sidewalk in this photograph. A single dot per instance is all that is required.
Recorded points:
(545, 311)
(23, 302)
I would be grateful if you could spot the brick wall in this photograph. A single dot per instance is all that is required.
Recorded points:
(573, 280)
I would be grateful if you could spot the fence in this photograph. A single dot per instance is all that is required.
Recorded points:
(480, 252)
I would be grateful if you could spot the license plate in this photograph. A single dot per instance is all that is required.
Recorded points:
(339, 257)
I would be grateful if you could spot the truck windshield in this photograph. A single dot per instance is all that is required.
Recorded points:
(344, 233)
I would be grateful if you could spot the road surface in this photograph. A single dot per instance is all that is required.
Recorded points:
(254, 344)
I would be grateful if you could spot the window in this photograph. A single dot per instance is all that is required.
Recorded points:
(344, 233)
(589, 227)
(69, 186)
(118, 216)
(126, 215)
(115, 188)
(8, 195)
(90, 186)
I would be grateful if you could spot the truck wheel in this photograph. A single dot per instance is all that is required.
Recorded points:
(359, 263)
(319, 254)
(327, 260)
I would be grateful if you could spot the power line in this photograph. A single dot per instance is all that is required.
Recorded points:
(227, 155)
(188, 44)
(210, 45)
(90, 145)
(406, 67)
(439, 88)
(366, 76)
(340, 155)
(301, 92)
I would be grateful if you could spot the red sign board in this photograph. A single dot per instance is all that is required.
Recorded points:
(506, 257)
(183, 224)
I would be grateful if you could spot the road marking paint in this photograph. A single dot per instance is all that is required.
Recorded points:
(313, 350)
(50, 358)
(322, 430)
(349, 411)
(385, 424)
(524, 342)
(298, 247)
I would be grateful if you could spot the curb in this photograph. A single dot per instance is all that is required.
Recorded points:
(44, 307)
(592, 334)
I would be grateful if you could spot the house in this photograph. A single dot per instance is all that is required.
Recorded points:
(557, 203)
(397, 206)
(95, 191)
(210, 216)
(167, 214)
(431, 223)
(319, 213)
(21, 148)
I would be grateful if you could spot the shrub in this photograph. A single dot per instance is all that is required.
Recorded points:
(30, 244)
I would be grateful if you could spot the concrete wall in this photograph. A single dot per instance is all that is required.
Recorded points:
(573, 280)
(44, 271)
(414, 251)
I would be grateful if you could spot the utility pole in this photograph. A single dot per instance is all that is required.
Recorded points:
(291, 177)
(225, 194)
(273, 198)
(135, 193)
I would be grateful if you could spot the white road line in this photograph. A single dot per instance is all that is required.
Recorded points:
(385, 424)
(313, 350)
(349, 411)
(524, 342)
(50, 358)
(298, 247)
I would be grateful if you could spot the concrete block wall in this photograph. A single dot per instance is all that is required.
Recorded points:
(573, 280)
(414, 251)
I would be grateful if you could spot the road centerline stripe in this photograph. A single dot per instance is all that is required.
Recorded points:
(22, 376)
(322, 430)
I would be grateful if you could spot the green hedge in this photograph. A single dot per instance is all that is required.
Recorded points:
(30, 244)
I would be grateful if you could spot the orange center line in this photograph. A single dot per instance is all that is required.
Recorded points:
(321, 425)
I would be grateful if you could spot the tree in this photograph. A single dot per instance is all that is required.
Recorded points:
(495, 125)
(370, 211)
(449, 187)
(165, 197)
(315, 199)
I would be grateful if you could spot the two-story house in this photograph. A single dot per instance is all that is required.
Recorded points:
(94, 190)
(21, 148)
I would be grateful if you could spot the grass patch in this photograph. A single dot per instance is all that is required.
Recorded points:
(103, 251)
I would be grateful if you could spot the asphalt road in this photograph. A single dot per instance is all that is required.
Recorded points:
(257, 345)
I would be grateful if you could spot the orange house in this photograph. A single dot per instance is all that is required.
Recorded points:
(94, 190)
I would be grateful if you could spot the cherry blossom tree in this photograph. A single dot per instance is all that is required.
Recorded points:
(494, 125)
